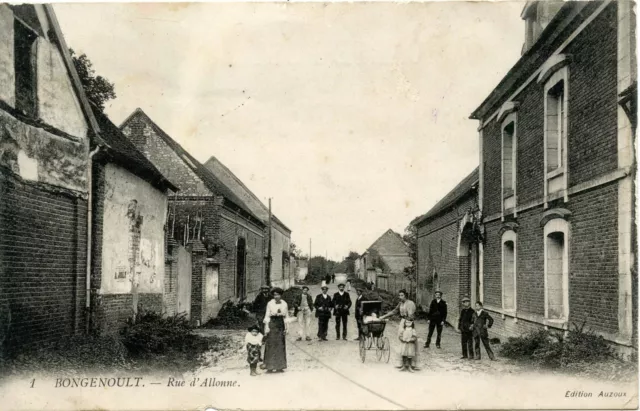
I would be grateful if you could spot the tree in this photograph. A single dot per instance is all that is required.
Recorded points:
(410, 237)
(351, 262)
(98, 89)
(294, 251)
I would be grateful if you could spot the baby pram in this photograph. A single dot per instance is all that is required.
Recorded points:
(373, 332)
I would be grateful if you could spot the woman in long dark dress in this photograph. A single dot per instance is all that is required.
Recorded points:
(275, 327)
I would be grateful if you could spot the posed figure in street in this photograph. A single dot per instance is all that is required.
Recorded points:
(333, 278)
(259, 306)
(437, 316)
(407, 310)
(341, 306)
(482, 321)
(323, 305)
(358, 311)
(348, 285)
(253, 345)
(275, 327)
(408, 337)
(465, 326)
(327, 279)
(303, 307)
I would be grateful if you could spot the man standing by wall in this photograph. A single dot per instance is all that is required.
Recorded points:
(341, 306)
(437, 316)
(323, 305)
(465, 326)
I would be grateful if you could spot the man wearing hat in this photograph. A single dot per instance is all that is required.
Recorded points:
(437, 316)
(359, 311)
(303, 306)
(465, 326)
(323, 305)
(341, 306)
(259, 306)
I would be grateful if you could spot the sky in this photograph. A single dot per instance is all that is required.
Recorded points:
(352, 117)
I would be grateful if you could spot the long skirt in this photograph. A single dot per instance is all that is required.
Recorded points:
(275, 351)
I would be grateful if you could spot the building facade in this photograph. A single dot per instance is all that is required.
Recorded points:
(447, 247)
(282, 270)
(129, 217)
(220, 240)
(46, 128)
(556, 175)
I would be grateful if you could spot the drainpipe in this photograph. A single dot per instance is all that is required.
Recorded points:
(89, 236)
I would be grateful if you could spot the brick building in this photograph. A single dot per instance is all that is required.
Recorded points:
(46, 126)
(383, 263)
(556, 175)
(220, 240)
(282, 270)
(447, 247)
(129, 216)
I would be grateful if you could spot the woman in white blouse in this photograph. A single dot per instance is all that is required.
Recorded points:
(275, 328)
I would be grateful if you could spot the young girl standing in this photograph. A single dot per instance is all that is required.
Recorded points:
(253, 343)
(408, 337)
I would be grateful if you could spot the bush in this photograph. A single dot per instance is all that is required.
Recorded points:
(153, 334)
(554, 350)
(231, 316)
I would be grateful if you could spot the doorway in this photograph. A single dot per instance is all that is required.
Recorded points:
(241, 268)
(184, 282)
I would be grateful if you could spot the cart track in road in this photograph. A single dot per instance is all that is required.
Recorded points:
(354, 382)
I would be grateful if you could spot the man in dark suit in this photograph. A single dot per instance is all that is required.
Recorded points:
(323, 305)
(437, 316)
(465, 326)
(259, 306)
(482, 321)
(359, 313)
(341, 306)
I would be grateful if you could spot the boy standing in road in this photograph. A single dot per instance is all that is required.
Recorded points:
(303, 306)
(482, 321)
(323, 305)
(341, 306)
(437, 316)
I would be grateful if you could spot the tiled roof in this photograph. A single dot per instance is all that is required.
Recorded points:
(122, 151)
(464, 187)
(396, 263)
(201, 171)
(210, 164)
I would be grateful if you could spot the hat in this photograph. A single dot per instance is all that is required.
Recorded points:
(304, 287)
(465, 299)
(341, 285)
(277, 290)
(438, 292)
(324, 287)
(264, 287)
(253, 327)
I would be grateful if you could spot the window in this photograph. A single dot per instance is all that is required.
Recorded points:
(556, 269)
(555, 75)
(509, 159)
(556, 126)
(25, 73)
(509, 270)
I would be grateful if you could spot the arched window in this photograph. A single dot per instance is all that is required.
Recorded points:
(556, 269)
(509, 241)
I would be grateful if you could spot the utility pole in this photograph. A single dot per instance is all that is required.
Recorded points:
(269, 248)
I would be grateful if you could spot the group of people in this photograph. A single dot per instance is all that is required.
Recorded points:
(273, 318)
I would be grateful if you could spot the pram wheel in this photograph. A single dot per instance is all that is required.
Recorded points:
(386, 349)
(369, 340)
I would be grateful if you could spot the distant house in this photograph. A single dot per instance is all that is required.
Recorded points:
(557, 176)
(447, 247)
(46, 130)
(212, 233)
(282, 272)
(129, 206)
(383, 263)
